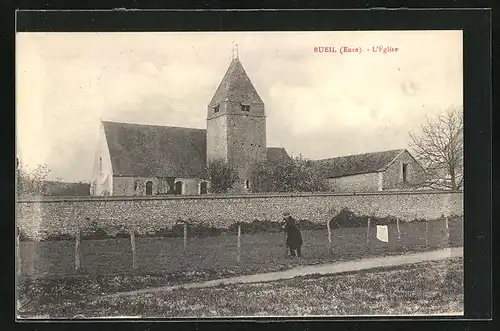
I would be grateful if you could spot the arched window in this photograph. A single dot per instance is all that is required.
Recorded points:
(149, 188)
(247, 184)
(178, 188)
(203, 188)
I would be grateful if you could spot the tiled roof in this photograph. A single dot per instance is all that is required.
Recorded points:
(236, 86)
(357, 164)
(277, 154)
(156, 151)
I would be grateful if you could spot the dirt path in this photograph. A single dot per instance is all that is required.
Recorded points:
(323, 269)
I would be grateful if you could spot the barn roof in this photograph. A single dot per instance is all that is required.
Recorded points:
(156, 151)
(357, 164)
(277, 154)
(236, 86)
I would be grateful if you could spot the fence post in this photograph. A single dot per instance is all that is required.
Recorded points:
(447, 230)
(185, 235)
(368, 231)
(77, 248)
(132, 243)
(426, 233)
(329, 235)
(18, 249)
(239, 243)
(399, 231)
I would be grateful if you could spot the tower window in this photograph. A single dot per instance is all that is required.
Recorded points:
(247, 184)
(216, 109)
(245, 107)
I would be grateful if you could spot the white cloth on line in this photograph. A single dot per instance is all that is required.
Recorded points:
(383, 233)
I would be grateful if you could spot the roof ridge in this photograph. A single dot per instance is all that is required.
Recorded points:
(157, 125)
(359, 154)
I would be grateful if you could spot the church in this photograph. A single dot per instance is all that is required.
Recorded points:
(138, 160)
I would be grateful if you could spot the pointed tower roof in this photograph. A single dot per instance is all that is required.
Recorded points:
(236, 86)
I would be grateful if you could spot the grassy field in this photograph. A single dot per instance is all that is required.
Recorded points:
(425, 288)
(217, 255)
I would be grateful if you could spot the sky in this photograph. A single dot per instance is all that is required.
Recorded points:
(319, 105)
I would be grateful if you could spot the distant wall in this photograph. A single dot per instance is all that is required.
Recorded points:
(64, 189)
(124, 186)
(149, 214)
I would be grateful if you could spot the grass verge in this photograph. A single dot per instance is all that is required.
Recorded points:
(424, 288)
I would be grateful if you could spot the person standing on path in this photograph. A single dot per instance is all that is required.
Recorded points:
(293, 235)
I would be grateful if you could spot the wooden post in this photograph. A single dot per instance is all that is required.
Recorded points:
(18, 250)
(426, 232)
(239, 243)
(185, 235)
(447, 230)
(77, 248)
(132, 243)
(285, 244)
(329, 235)
(368, 231)
(399, 231)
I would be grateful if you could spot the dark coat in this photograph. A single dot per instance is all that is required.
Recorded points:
(293, 235)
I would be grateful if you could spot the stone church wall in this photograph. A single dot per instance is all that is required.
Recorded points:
(39, 218)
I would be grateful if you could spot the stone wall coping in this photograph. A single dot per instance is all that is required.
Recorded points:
(229, 196)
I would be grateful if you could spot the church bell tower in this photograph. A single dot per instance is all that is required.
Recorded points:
(236, 125)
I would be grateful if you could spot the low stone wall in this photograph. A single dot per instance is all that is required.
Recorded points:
(146, 215)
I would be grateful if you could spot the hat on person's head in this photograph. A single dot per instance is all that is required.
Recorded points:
(286, 214)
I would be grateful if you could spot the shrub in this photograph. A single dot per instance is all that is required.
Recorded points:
(199, 230)
(23, 236)
(348, 219)
(95, 232)
(58, 236)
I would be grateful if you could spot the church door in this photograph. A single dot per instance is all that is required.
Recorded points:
(203, 188)
(149, 188)
(178, 188)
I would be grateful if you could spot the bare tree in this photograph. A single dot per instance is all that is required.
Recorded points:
(439, 148)
(221, 175)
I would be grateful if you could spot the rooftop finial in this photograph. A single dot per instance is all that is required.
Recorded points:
(235, 51)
